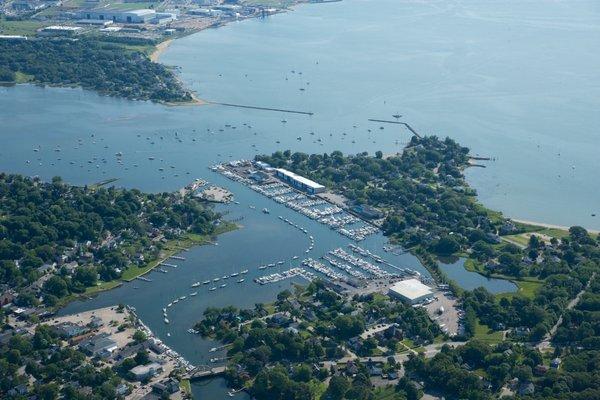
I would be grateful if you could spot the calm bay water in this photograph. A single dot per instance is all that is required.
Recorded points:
(514, 80)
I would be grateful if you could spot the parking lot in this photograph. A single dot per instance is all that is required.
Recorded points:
(448, 319)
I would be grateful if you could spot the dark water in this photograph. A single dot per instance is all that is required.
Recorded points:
(515, 80)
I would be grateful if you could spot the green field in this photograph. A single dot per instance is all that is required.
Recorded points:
(26, 28)
(486, 335)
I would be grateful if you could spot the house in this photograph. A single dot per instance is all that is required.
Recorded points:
(122, 389)
(555, 363)
(68, 330)
(521, 331)
(526, 388)
(374, 370)
(7, 295)
(351, 369)
(142, 372)
(20, 390)
(47, 268)
(355, 343)
(98, 346)
(166, 386)
(540, 369)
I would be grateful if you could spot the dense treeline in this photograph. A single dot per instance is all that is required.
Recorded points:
(108, 68)
(102, 230)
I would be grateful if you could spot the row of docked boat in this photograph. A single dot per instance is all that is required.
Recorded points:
(345, 267)
(357, 262)
(378, 259)
(279, 276)
(323, 269)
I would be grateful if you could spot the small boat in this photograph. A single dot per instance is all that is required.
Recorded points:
(175, 301)
(266, 210)
(223, 285)
(271, 265)
(262, 267)
(244, 271)
(182, 298)
(193, 294)
(212, 288)
(169, 305)
(216, 279)
(195, 284)
(205, 282)
(234, 274)
(241, 280)
(225, 277)
(295, 258)
(166, 321)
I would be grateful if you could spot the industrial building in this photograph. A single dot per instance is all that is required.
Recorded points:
(141, 16)
(299, 182)
(411, 291)
(59, 30)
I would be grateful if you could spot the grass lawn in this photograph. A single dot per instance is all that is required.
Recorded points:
(26, 28)
(385, 393)
(185, 386)
(486, 335)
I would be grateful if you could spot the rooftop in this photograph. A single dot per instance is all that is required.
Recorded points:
(300, 179)
(411, 289)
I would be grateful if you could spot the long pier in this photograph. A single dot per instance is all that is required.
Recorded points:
(385, 121)
(264, 108)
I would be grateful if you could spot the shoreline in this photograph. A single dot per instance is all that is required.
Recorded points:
(159, 49)
(550, 226)
(177, 249)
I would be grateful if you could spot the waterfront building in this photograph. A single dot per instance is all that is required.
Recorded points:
(299, 182)
(411, 291)
(142, 372)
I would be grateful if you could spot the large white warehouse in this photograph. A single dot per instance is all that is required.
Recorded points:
(410, 291)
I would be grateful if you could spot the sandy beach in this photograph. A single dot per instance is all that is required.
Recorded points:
(160, 48)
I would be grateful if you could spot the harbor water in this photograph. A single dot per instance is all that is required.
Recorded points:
(513, 80)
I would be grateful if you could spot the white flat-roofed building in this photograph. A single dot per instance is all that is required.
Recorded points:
(13, 37)
(60, 30)
(411, 291)
(140, 16)
(298, 181)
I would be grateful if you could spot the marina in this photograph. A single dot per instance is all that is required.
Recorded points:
(305, 203)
